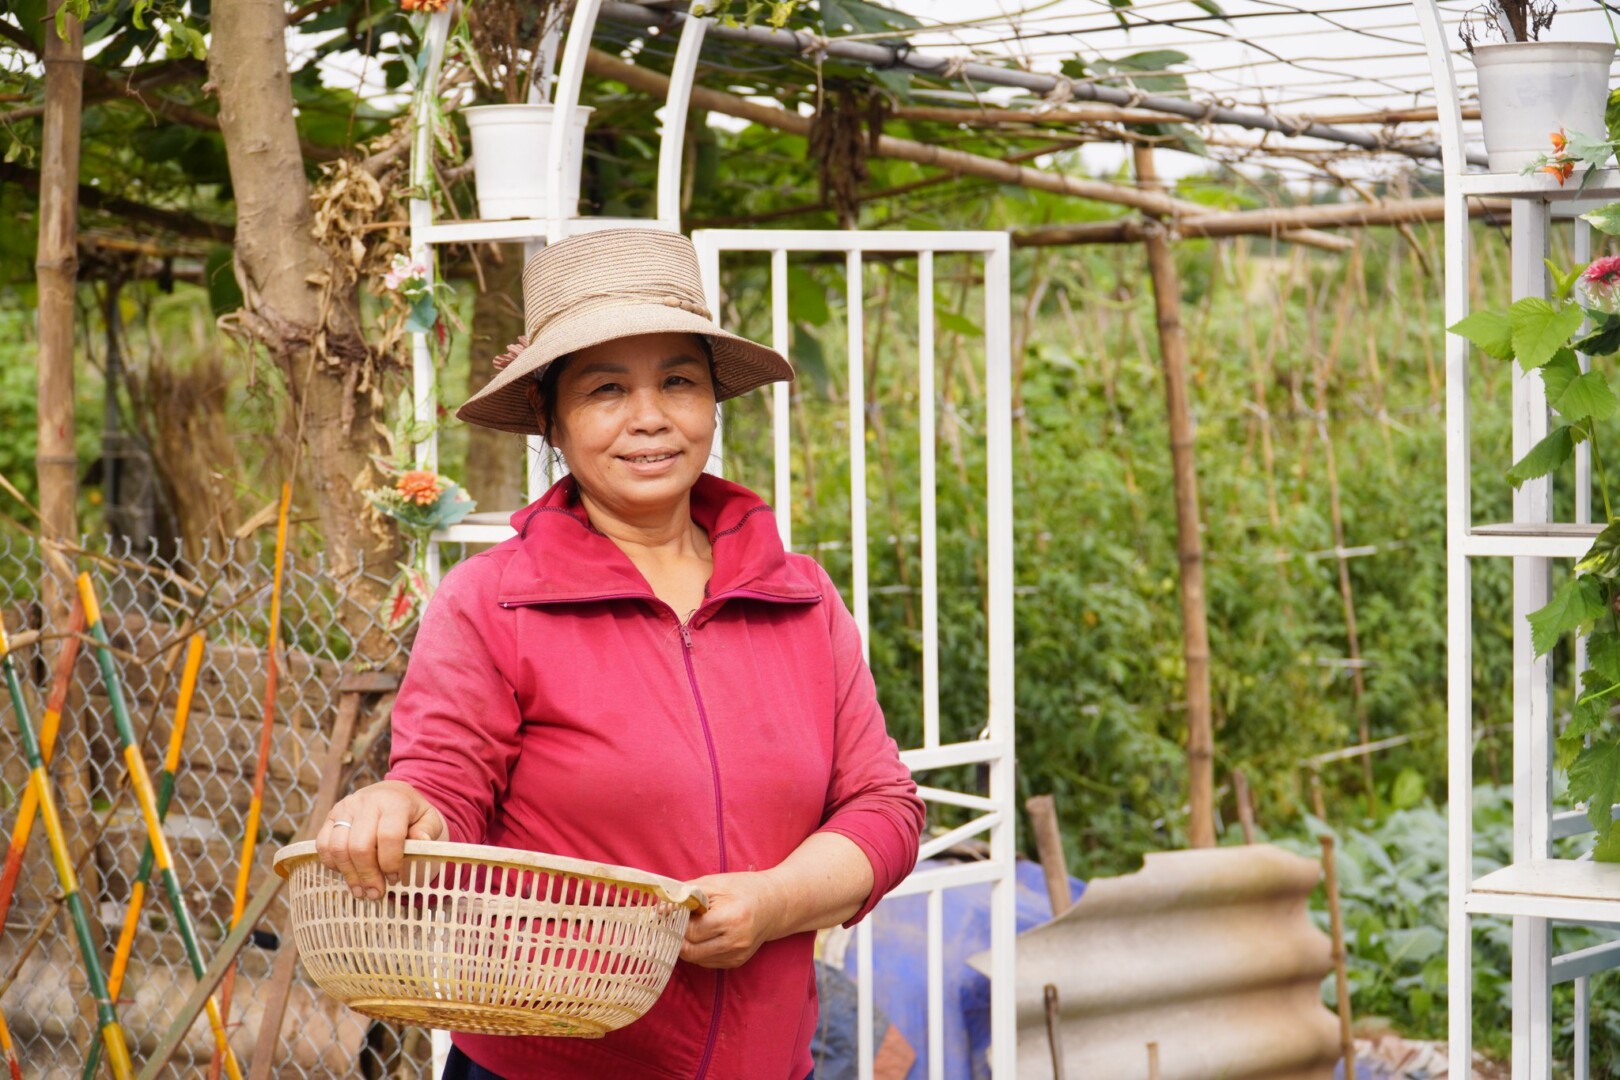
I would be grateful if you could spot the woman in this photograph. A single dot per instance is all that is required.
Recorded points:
(643, 676)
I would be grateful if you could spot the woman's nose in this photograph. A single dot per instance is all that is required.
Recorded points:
(647, 410)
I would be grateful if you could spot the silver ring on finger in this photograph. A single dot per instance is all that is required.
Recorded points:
(342, 824)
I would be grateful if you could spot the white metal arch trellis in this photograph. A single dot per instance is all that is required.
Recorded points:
(991, 814)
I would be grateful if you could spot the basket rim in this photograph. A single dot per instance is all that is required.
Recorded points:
(667, 889)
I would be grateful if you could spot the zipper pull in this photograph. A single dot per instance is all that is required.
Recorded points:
(686, 635)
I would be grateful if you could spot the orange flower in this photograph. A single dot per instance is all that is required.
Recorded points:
(420, 486)
(1559, 141)
(424, 5)
(1561, 169)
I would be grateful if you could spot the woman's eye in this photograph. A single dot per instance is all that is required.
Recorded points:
(607, 388)
(678, 380)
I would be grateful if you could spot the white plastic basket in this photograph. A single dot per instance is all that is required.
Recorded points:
(491, 940)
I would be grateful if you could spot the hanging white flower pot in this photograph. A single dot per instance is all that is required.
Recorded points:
(510, 144)
(1530, 89)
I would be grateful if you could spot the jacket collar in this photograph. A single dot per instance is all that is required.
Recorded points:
(562, 558)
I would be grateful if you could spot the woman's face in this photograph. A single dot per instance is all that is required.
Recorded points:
(635, 420)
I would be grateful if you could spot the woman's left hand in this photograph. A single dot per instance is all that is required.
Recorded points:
(742, 916)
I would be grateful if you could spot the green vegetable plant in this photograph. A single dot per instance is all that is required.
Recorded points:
(1547, 336)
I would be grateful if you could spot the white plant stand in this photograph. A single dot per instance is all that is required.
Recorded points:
(1535, 889)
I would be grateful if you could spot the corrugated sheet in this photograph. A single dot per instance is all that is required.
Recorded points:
(1209, 953)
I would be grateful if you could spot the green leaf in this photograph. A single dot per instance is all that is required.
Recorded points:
(1587, 395)
(1577, 602)
(1209, 7)
(1544, 457)
(1490, 331)
(1540, 329)
(1594, 779)
(1604, 219)
(424, 313)
(1603, 653)
(1608, 850)
(1557, 373)
(952, 323)
(1603, 557)
(1563, 280)
(807, 297)
(1408, 789)
(1604, 338)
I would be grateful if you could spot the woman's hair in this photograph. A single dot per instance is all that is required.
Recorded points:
(544, 393)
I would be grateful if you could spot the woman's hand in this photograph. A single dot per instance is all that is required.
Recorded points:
(511, 352)
(742, 916)
(363, 838)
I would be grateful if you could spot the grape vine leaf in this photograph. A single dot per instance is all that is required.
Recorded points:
(1594, 778)
(1603, 557)
(1545, 456)
(1540, 329)
(1587, 395)
(1605, 338)
(1490, 331)
(1604, 219)
(1559, 372)
(1577, 602)
(1603, 653)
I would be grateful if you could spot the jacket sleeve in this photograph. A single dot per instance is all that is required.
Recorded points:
(871, 798)
(456, 721)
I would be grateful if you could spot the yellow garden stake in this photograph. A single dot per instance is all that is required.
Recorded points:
(112, 1035)
(244, 870)
(146, 798)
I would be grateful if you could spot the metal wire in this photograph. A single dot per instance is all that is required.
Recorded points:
(46, 1007)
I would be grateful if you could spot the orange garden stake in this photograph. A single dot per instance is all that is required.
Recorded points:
(244, 870)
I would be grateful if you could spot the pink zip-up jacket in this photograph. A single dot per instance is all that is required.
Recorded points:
(554, 704)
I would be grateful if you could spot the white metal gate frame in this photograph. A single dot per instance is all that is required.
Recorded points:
(1533, 540)
(995, 813)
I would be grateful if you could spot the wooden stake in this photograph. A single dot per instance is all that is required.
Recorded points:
(1340, 975)
(1194, 624)
(1042, 811)
(1153, 1061)
(1245, 807)
(1054, 1030)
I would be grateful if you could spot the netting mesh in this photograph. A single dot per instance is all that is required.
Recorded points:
(325, 637)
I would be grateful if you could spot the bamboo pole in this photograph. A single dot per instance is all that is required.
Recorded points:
(244, 871)
(888, 146)
(112, 1034)
(1341, 977)
(1189, 545)
(146, 799)
(1278, 222)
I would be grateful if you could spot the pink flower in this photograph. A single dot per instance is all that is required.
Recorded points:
(404, 272)
(1601, 284)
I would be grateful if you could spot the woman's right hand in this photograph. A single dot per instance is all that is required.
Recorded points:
(511, 352)
(363, 838)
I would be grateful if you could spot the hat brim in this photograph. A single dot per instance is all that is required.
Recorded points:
(740, 365)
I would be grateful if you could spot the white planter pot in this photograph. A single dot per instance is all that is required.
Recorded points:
(1530, 89)
(510, 145)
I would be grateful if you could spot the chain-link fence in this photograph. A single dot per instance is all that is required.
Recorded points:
(149, 613)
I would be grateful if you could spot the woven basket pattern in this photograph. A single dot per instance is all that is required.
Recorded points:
(488, 946)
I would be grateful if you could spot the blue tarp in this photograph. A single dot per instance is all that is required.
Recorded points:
(900, 965)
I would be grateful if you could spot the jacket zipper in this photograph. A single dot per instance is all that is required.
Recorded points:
(714, 761)
(720, 838)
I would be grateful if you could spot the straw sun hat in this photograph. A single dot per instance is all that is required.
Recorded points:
(615, 283)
